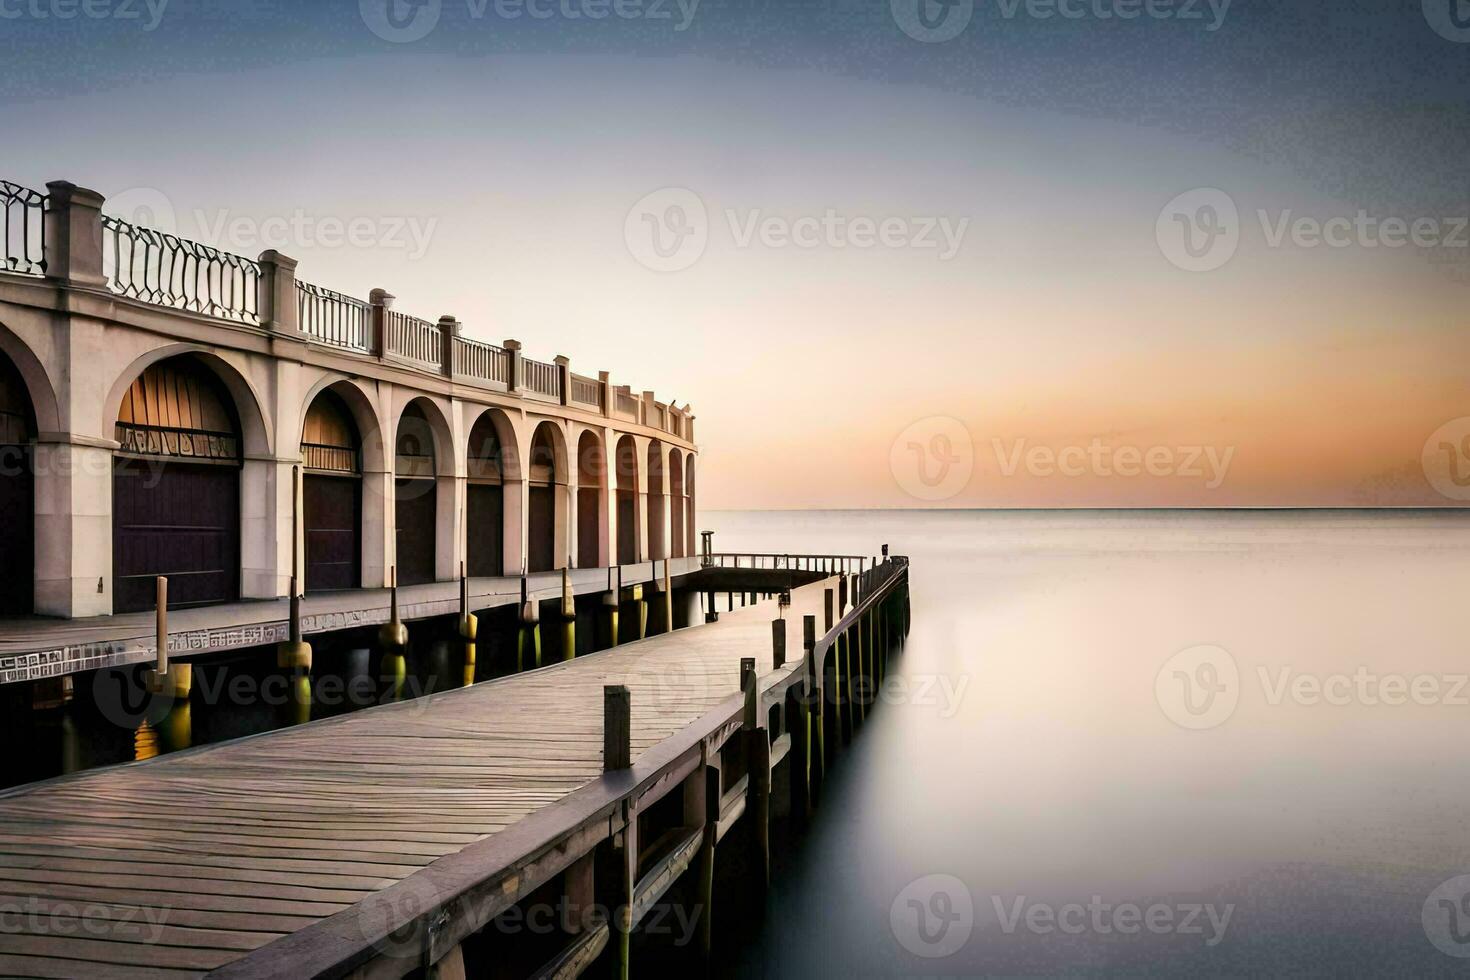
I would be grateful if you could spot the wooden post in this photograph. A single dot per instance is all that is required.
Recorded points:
(617, 728)
(393, 635)
(778, 643)
(758, 756)
(160, 625)
(469, 624)
(295, 653)
(816, 697)
(529, 631)
(568, 616)
(610, 600)
(668, 598)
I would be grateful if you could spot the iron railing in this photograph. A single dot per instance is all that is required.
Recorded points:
(330, 459)
(333, 318)
(167, 270)
(158, 440)
(22, 229)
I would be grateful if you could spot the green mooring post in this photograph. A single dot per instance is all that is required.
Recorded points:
(568, 616)
(529, 631)
(469, 623)
(393, 635)
(610, 600)
(295, 653)
(640, 608)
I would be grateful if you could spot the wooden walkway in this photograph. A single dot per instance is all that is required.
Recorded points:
(183, 864)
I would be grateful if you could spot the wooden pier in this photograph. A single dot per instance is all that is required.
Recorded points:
(384, 842)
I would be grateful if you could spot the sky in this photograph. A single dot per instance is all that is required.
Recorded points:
(895, 253)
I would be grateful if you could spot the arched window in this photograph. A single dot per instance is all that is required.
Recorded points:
(590, 468)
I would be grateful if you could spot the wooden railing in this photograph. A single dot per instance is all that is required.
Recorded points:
(831, 564)
(415, 339)
(587, 391)
(625, 404)
(541, 378)
(334, 319)
(481, 361)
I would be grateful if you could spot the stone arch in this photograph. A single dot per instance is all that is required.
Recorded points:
(39, 389)
(255, 426)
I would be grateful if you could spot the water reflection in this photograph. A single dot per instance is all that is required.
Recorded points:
(1025, 819)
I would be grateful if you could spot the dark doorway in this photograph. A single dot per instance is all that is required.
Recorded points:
(627, 530)
(414, 517)
(588, 501)
(487, 529)
(17, 494)
(541, 553)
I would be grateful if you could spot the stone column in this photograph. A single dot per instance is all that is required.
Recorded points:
(73, 226)
(279, 311)
(73, 487)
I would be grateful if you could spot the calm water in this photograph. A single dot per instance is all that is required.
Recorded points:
(1036, 806)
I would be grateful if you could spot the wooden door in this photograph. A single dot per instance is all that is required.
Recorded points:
(627, 529)
(332, 511)
(176, 519)
(588, 526)
(541, 541)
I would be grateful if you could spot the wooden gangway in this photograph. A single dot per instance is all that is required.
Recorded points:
(378, 841)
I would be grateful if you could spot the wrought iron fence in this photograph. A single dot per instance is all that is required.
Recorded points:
(332, 318)
(415, 339)
(331, 459)
(542, 378)
(158, 440)
(586, 391)
(481, 361)
(157, 267)
(23, 229)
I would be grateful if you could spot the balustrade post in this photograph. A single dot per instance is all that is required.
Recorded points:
(564, 370)
(449, 329)
(513, 374)
(73, 233)
(381, 302)
(607, 394)
(276, 293)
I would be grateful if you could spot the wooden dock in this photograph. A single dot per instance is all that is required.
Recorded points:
(376, 843)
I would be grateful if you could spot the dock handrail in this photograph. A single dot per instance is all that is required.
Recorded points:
(787, 561)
